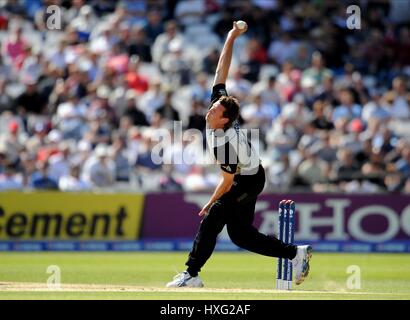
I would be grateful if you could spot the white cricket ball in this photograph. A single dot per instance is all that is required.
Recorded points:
(241, 24)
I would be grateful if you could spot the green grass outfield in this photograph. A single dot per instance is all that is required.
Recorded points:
(142, 275)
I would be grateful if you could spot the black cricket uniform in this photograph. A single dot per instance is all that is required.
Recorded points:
(235, 209)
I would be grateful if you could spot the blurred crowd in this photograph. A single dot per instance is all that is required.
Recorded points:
(84, 90)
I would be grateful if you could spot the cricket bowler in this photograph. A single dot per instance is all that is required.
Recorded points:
(242, 180)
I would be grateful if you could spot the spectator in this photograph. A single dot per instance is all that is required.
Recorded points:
(103, 7)
(280, 174)
(101, 108)
(200, 89)
(210, 61)
(309, 137)
(83, 151)
(98, 131)
(407, 186)
(136, 11)
(41, 179)
(363, 156)
(10, 179)
(12, 143)
(103, 42)
(398, 100)
(6, 71)
(27, 166)
(190, 12)
(352, 139)
(403, 164)
(168, 182)
(346, 169)
(134, 78)
(394, 181)
(139, 45)
(224, 23)
(326, 92)
(121, 157)
(321, 119)
(347, 108)
(384, 141)
(154, 26)
(84, 22)
(283, 135)
(167, 111)
(323, 148)
(14, 47)
(75, 10)
(284, 49)
(256, 57)
(402, 47)
(151, 100)
(284, 82)
(311, 170)
(145, 166)
(317, 71)
(31, 101)
(32, 66)
(375, 108)
(132, 111)
(72, 181)
(69, 118)
(99, 170)
(237, 85)
(297, 112)
(162, 42)
(267, 90)
(59, 163)
(360, 91)
(375, 170)
(301, 60)
(259, 115)
(38, 139)
(197, 181)
(117, 59)
(374, 52)
(175, 66)
(197, 117)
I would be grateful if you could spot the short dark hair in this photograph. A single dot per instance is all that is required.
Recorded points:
(231, 112)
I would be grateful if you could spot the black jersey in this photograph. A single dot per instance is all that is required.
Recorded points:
(232, 149)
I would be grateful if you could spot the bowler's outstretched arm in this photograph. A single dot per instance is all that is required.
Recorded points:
(225, 58)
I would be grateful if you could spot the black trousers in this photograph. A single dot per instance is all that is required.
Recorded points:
(236, 210)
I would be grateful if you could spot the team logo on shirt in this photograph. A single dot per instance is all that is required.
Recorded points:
(227, 168)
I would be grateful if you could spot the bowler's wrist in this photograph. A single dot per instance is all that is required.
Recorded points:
(232, 35)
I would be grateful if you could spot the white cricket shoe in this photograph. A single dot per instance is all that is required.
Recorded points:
(184, 279)
(301, 263)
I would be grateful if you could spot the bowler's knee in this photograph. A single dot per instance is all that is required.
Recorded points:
(214, 219)
(236, 234)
